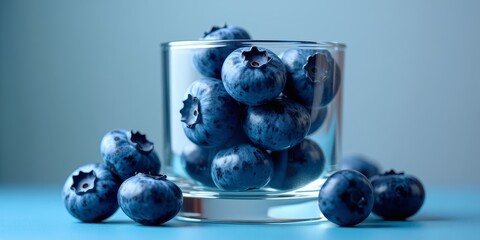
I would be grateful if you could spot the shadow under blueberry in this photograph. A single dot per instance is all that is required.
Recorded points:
(106, 222)
(131, 222)
(116, 222)
(374, 222)
(432, 218)
(172, 224)
(369, 224)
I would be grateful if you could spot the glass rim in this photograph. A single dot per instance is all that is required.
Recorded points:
(249, 42)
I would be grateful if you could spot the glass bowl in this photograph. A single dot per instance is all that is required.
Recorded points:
(293, 185)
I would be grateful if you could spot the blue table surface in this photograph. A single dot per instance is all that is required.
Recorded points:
(37, 212)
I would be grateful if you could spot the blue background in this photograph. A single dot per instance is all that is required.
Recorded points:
(72, 70)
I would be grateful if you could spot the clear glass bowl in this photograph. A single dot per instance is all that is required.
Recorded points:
(267, 204)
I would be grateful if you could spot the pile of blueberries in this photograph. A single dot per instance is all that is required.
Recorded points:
(247, 119)
(249, 114)
(128, 178)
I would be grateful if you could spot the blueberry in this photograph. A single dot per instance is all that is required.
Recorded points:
(397, 195)
(346, 198)
(150, 199)
(128, 153)
(313, 77)
(297, 166)
(208, 61)
(210, 116)
(225, 33)
(90, 193)
(241, 168)
(197, 162)
(253, 75)
(360, 163)
(277, 125)
(318, 116)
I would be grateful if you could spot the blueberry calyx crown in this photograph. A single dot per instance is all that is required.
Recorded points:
(84, 182)
(317, 68)
(255, 58)
(392, 172)
(154, 176)
(191, 111)
(214, 28)
(140, 142)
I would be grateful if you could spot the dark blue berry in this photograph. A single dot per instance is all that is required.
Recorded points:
(127, 153)
(313, 77)
(297, 166)
(90, 193)
(197, 162)
(253, 75)
(277, 125)
(397, 196)
(360, 163)
(208, 61)
(318, 116)
(241, 168)
(346, 198)
(225, 33)
(150, 199)
(210, 115)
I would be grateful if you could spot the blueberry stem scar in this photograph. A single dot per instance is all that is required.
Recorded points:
(154, 176)
(214, 28)
(256, 58)
(140, 142)
(190, 112)
(83, 182)
(392, 172)
(317, 68)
